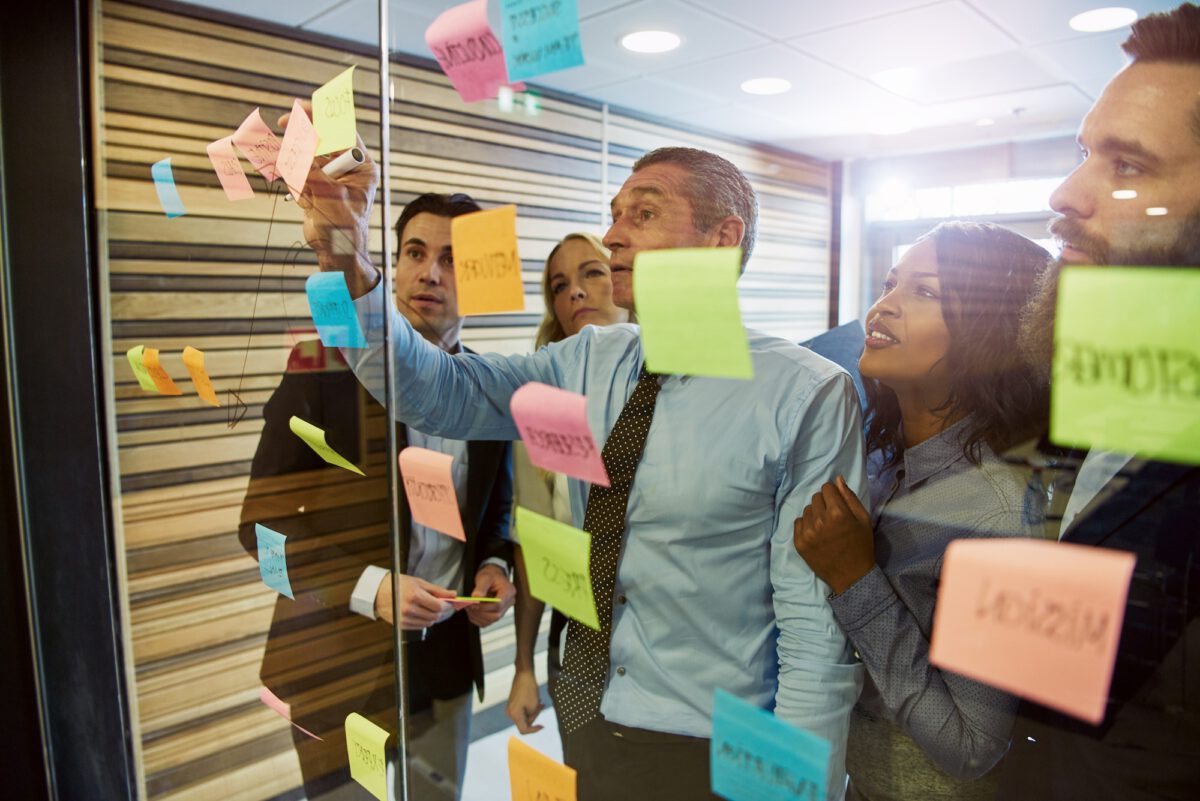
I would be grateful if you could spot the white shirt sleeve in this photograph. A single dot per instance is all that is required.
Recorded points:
(362, 600)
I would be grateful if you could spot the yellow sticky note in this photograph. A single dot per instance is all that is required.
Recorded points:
(487, 267)
(1126, 365)
(139, 368)
(157, 374)
(315, 439)
(557, 559)
(536, 777)
(365, 743)
(333, 114)
(193, 360)
(687, 306)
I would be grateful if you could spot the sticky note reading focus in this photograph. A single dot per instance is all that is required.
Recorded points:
(229, 169)
(536, 777)
(557, 558)
(137, 363)
(467, 51)
(687, 306)
(487, 268)
(365, 744)
(272, 560)
(333, 114)
(283, 709)
(1039, 619)
(553, 425)
(755, 756)
(333, 311)
(297, 149)
(315, 438)
(193, 360)
(158, 375)
(1127, 363)
(539, 37)
(168, 193)
(258, 144)
(429, 485)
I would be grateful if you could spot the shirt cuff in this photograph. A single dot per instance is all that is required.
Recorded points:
(498, 562)
(863, 600)
(362, 600)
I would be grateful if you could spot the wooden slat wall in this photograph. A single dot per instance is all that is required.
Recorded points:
(228, 279)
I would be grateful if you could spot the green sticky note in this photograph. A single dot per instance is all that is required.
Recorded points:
(687, 306)
(315, 438)
(139, 369)
(557, 558)
(365, 744)
(1126, 364)
(333, 114)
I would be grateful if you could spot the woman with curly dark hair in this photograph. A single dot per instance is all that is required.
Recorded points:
(947, 391)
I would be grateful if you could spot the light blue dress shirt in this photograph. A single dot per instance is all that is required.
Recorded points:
(710, 591)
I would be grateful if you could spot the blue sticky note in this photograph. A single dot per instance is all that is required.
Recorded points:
(164, 184)
(539, 37)
(758, 757)
(333, 311)
(272, 564)
(844, 347)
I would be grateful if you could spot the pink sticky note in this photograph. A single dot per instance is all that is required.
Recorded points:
(258, 144)
(1039, 619)
(468, 52)
(553, 425)
(297, 150)
(429, 485)
(229, 169)
(283, 709)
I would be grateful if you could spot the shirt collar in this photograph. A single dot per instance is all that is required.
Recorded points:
(935, 454)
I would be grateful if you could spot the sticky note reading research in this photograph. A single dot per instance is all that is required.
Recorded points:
(429, 487)
(333, 311)
(553, 425)
(557, 559)
(536, 777)
(487, 267)
(315, 438)
(467, 51)
(365, 745)
(539, 37)
(272, 560)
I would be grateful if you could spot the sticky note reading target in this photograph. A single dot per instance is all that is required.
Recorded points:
(557, 559)
(429, 486)
(553, 425)
(487, 267)
(365, 745)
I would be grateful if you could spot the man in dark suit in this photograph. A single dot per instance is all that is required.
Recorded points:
(1135, 200)
(324, 657)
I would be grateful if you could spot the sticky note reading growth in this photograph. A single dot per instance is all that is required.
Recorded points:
(333, 311)
(487, 268)
(272, 560)
(137, 362)
(755, 756)
(553, 425)
(1127, 362)
(258, 144)
(158, 375)
(467, 51)
(229, 169)
(1039, 619)
(536, 777)
(687, 306)
(333, 114)
(283, 709)
(315, 438)
(429, 485)
(539, 37)
(164, 185)
(365, 744)
(297, 149)
(193, 360)
(557, 558)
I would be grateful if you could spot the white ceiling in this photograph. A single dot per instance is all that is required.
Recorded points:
(854, 65)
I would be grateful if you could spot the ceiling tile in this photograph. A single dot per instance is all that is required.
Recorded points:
(989, 75)
(786, 20)
(1089, 62)
(1038, 21)
(664, 97)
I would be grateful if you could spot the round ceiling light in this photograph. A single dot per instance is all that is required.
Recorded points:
(650, 41)
(1103, 19)
(766, 86)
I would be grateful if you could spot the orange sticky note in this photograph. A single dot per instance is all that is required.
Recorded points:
(229, 169)
(283, 709)
(193, 360)
(157, 374)
(487, 267)
(297, 149)
(1036, 618)
(258, 144)
(536, 777)
(429, 485)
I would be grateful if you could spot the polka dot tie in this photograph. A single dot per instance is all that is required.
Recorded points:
(586, 663)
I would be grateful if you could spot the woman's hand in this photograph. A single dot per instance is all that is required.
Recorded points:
(834, 536)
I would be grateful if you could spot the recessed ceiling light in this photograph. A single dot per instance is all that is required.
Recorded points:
(766, 86)
(984, 122)
(1124, 194)
(1156, 211)
(1103, 19)
(650, 41)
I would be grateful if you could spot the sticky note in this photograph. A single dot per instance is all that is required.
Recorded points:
(487, 268)
(258, 144)
(553, 425)
(333, 311)
(687, 306)
(283, 709)
(193, 360)
(365, 743)
(557, 559)
(162, 381)
(140, 372)
(755, 756)
(229, 169)
(536, 777)
(333, 114)
(467, 51)
(164, 185)
(297, 149)
(1039, 619)
(1127, 363)
(315, 438)
(539, 37)
(429, 485)
(272, 560)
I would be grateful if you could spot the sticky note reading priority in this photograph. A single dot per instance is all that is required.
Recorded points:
(1126, 365)
(365, 744)
(229, 169)
(272, 560)
(429, 486)
(297, 150)
(687, 306)
(467, 51)
(536, 777)
(193, 360)
(162, 381)
(283, 709)
(164, 185)
(557, 558)
(539, 37)
(553, 425)
(315, 438)
(1039, 619)
(138, 364)
(258, 144)
(333, 311)
(755, 756)
(333, 114)
(487, 267)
